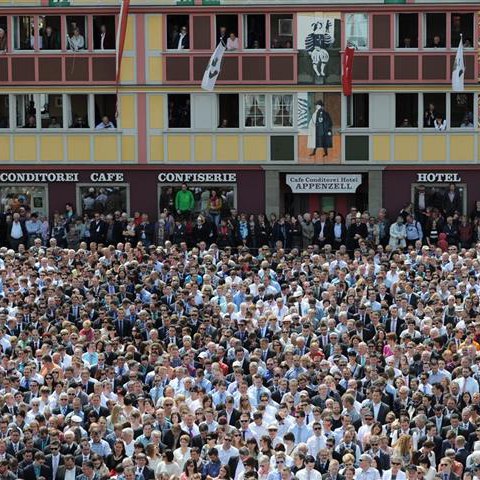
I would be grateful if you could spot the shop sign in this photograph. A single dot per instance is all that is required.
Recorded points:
(323, 183)
(197, 177)
(106, 177)
(54, 177)
(438, 177)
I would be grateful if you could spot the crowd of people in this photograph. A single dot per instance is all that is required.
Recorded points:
(318, 347)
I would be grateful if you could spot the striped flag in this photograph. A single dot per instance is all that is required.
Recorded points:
(213, 68)
(121, 32)
(458, 73)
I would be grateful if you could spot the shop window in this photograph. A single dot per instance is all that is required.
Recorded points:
(179, 110)
(282, 110)
(49, 30)
(178, 37)
(78, 111)
(435, 193)
(104, 32)
(105, 199)
(435, 28)
(357, 29)
(26, 111)
(281, 31)
(358, 110)
(32, 197)
(201, 194)
(4, 111)
(76, 33)
(406, 110)
(254, 110)
(462, 25)
(228, 111)
(227, 31)
(407, 30)
(23, 32)
(51, 111)
(282, 148)
(254, 31)
(105, 108)
(434, 107)
(3, 34)
(461, 110)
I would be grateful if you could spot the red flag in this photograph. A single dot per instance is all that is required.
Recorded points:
(121, 32)
(347, 71)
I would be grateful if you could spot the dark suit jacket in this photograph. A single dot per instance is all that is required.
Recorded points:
(61, 472)
(29, 473)
(234, 418)
(399, 326)
(233, 464)
(24, 231)
(382, 412)
(185, 42)
(48, 461)
(11, 451)
(438, 445)
(108, 42)
(148, 473)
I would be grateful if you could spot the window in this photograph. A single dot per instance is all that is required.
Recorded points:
(78, 114)
(51, 111)
(254, 31)
(435, 192)
(281, 31)
(32, 197)
(227, 31)
(77, 33)
(358, 111)
(104, 199)
(49, 30)
(178, 32)
(3, 34)
(282, 110)
(105, 108)
(407, 30)
(434, 108)
(4, 111)
(26, 111)
(282, 148)
(461, 110)
(228, 111)
(179, 110)
(104, 32)
(462, 24)
(23, 32)
(435, 24)
(406, 110)
(357, 29)
(254, 110)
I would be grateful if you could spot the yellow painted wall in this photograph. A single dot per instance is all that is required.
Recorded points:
(4, 148)
(255, 148)
(178, 148)
(406, 148)
(127, 74)
(130, 34)
(51, 148)
(154, 32)
(381, 148)
(434, 148)
(155, 108)
(462, 148)
(78, 148)
(105, 148)
(24, 148)
(155, 72)
(128, 148)
(227, 148)
(156, 148)
(127, 111)
(203, 148)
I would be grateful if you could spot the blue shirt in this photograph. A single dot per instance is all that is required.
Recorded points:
(212, 469)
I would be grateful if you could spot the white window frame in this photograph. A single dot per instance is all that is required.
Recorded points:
(266, 106)
(15, 29)
(353, 15)
(397, 33)
(273, 114)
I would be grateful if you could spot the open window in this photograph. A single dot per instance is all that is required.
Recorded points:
(461, 110)
(51, 110)
(254, 31)
(78, 111)
(227, 31)
(178, 35)
(358, 111)
(105, 107)
(462, 27)
(104, 32)
(26, 111)
(179, 110)
(406, 110)
(3, 34)
(282, 110)
(407, 30)
(435, 30)
(281, 31)
(357, 29)
(23, 32)
(228, 110)
(106, 199)
(434, 107)
(49, 29)
(4, 111)
(76, 32)
(254, 111)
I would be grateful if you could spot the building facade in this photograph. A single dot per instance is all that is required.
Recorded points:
(258, 137)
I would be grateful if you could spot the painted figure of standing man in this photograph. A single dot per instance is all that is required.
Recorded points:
(320, 130)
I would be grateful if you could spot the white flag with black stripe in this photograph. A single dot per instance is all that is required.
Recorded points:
(213, 68)
(458, 73)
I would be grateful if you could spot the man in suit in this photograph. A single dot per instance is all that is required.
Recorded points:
(181, 40)
(123, 326)
(104, 40)
(461, 453)
(16, 232)
(445, 469)
(230, 413)
(236, 464)
(439, 419)
(412, 298)
(37, 468)
(54, 459)
(14, 445)
(142, 470)
(433, 437)
(201, 439)
(377, 407)
(96, 406)
(98, 230)
(394, 323)
(68, 466)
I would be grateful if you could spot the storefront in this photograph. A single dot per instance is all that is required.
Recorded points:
(402, 185)
(108, 189)
(308, 192)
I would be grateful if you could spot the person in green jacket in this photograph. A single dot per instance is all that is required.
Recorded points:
(184, 201)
